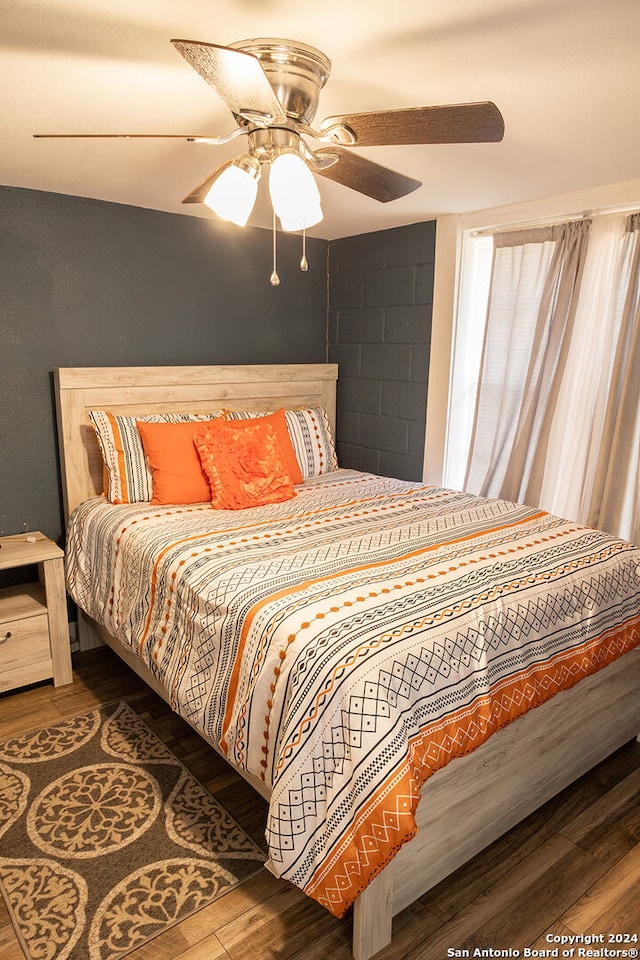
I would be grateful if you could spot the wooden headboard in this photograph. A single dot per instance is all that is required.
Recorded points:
(140, 390)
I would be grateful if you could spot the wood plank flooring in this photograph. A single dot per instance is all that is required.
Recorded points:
(571, 868)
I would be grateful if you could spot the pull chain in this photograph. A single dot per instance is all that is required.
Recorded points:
(274, 279)
(304, 263)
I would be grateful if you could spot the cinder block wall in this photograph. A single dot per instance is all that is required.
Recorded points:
(380, 303)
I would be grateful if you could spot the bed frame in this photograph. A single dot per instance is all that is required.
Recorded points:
(472, 801)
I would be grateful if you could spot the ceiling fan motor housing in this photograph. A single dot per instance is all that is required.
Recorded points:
(296, 72)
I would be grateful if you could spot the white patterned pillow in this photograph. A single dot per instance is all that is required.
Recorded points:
(128, 474)
(311, 437)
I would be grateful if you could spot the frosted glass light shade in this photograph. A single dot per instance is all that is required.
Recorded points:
(294, 192)
(233, 194)
(292, 220)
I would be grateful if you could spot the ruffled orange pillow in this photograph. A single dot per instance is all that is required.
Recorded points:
(244, 464)
(278, 420)
(177, 473)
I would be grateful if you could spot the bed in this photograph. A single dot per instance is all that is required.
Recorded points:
(505, 762)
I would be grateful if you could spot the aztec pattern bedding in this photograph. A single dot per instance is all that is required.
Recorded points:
(346, 644)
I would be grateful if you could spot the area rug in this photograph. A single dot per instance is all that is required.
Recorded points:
(106, 840)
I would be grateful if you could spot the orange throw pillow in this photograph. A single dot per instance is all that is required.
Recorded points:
(278, 421)
(244, 463)
(177, 473)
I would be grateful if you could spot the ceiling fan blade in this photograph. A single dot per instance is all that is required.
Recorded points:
(189, 137)
(452, 123)
(365, 176)
(124, 136)
(237, 76)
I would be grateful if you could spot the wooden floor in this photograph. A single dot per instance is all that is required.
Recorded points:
(571, 868)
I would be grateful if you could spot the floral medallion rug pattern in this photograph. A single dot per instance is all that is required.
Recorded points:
(106, 840)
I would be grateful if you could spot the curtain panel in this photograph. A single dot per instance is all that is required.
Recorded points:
(557, 411)
(615, 500)
(532, 301)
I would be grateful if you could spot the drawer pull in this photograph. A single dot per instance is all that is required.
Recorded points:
(6, 637)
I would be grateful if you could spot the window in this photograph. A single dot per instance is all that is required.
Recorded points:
(546, 350)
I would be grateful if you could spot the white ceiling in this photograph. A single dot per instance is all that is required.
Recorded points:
(564, 73)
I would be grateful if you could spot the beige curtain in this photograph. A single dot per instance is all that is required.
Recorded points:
(615, 502)
(534, 288)
(557, 412)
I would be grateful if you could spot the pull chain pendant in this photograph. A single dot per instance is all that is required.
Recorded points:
(274, 279)
(304, 263)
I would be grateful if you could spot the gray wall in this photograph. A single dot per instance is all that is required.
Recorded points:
(84, 282)
(380, 303)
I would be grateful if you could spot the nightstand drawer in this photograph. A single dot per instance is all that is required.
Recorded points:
(34, 632)
(20, 639)
(25, 650)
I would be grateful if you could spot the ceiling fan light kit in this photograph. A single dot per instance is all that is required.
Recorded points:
(272, 88)
(233, 193)
(294, 192)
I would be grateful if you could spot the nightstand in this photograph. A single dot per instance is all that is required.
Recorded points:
(34, 631)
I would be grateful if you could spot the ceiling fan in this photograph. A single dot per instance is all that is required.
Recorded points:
(272, 88)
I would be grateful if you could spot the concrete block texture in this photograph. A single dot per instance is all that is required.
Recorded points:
(380, 301)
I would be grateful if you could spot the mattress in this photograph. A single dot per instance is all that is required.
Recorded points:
(345, 645)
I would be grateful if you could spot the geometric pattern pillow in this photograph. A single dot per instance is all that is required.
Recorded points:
(311, 437)
(129, 476)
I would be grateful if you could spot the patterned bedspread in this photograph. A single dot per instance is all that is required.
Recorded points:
(346, 644)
